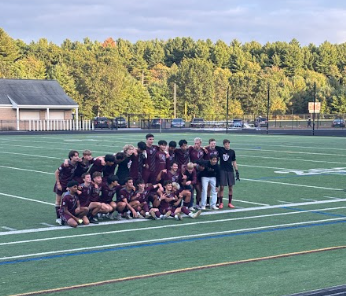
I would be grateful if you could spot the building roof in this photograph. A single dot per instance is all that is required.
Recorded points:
(33, 92)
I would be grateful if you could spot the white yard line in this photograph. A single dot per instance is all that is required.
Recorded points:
(36, 230)
(8, 228)
(167, 239)
(26, 170)
(249, 202)
(290, 184)
(290, 159)
(162, 226)
(49, 225)
(32, 155)
(26, 198)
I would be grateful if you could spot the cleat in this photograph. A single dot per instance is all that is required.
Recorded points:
(111, 216)
(178, 217)
(214, 207)
(196, 215)
(93, 220)
(147, 215)
(203, 208)
(99, 216)
(231, 206)
(198, 207)
(128, 216)
(221, 206)
(165, 216)
(152, 213)
(192, 209)
(58, 221)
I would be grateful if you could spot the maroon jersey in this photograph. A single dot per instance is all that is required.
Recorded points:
(164, 204)
(195, 154)
(190, 177)
(171, 159)
(107, 193)
(174, 177)
(69, 202)
(161, 161)
(84, 197)
(182, 157)
(143, 196)
(123, 193)
(211, 153)
(66, 173)
(136, 169)
(95, 193)
(151, 159)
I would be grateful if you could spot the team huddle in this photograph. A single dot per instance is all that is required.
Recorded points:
(148, 181)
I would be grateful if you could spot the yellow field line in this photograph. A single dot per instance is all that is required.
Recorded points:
(169, 272)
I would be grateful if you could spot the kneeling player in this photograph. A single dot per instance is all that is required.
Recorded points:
(71, 212)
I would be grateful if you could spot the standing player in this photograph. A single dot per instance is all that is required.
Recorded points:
(227, 166)
(182, 154)
(106, 165)
(71, 212)
(162, 158)
(210, 151)
(137, 161)
(150, 162)
(63, 175)
(172, 145)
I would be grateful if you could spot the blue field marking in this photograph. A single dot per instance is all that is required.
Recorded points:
(314, 212)
(172, 242)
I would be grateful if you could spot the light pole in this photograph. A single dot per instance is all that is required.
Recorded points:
(227, 98)
(268, 108)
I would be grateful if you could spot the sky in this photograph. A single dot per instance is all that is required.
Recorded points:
(308, 21)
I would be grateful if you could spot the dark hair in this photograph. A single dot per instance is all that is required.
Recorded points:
(182, 142)
(112, 178)
(110, 158)
(120, 156)
(72, 153)
(174, 162)
(128, 179)
(141, 145)
(213, 156)
(72, 183)
(96, 174)
(226, 141)
(149, 136)
(162, 142)
(211, 140)
(167, 182)
(172, 144)
(140, 181)
(85, 174)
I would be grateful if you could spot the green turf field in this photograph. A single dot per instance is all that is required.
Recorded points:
(286, 234)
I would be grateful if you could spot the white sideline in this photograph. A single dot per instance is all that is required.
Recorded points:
(26, 198)
(168, 239)
(24, 231)
(163, 226)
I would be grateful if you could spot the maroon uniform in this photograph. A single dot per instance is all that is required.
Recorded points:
(170, 159)
(123, 193)
(69, 202)
(95, 193)
(174, 177)
(211, 153)
(66, 174)
(137, 163)
(84, 197)
(182, 157)
(195, 154)
(107, 193)
(166, 206)
(161, 162)
(190, 177)
(150, 161)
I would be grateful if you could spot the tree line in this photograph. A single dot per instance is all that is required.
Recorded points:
(117, 77)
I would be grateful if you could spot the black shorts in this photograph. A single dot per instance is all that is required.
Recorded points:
(227, 178)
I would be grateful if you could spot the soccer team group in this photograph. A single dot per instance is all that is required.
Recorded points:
(148, 181)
